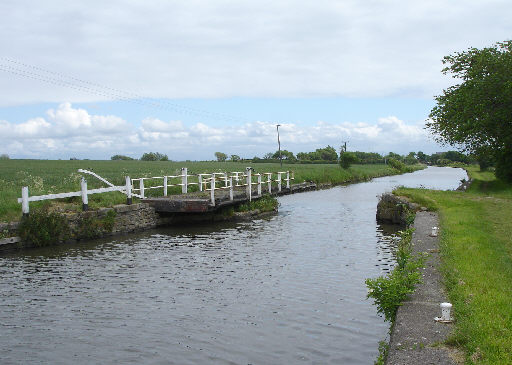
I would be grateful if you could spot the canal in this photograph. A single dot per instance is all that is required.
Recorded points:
(284, 290)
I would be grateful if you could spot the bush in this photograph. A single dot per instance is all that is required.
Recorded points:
(389, 292)
(347, 159)
(266, 203)
(4, 156)
(43, 227)
(92, 227)
(397, 165)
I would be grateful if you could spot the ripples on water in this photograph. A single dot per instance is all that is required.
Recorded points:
(289, 289)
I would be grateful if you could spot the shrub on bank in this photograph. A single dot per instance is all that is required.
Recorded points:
(43, 227)
(267, 203)
(347, 159)
(390, 291)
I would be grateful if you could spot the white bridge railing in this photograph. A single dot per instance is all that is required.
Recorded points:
(205, 182)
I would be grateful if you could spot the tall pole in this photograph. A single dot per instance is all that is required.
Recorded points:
(344, 147)
(279, 145)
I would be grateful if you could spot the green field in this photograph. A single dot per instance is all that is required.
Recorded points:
(51, 177)
(476, 249)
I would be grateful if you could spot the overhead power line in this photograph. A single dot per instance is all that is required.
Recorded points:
(60, 79)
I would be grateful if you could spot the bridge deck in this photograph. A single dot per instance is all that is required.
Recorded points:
(199, 202)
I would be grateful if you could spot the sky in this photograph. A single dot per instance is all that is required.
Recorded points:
(91, 79)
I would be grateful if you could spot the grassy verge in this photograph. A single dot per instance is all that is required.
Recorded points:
(45, 177)
(476, 251)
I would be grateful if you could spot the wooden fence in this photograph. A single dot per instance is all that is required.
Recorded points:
(204, 181)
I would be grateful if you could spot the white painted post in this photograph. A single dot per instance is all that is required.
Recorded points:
(259, 184)
(226, 179)
(184, 180)
(165, 185)
(248, 188)
(236, 177)
(128, 190)
(85, 200)
(279, 182)
(231, 188)
(287, 179)
(269, 180)
(141, 188)
(200, 182)
(24, 200)
(212, 190)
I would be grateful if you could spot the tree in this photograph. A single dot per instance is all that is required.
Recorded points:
(120, 157)
(286, 155)
(221, 157)
(476, 114)
(303, 156)
(455, 156)
(154, 156)
(347, 159)
(368, 157)
(235, 158)
(422, 157)
(328, 153)
(268, 156)
(410, 159)
(4, 156)
(396, 156)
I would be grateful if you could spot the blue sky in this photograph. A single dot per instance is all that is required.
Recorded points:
(189, 78)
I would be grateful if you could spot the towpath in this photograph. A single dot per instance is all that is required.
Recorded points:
(416, 338)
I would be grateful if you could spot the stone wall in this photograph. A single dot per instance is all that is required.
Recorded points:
(126, 218)
(134, 217)
(96, 223)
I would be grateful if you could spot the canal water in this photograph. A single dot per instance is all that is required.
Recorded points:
(284, 290)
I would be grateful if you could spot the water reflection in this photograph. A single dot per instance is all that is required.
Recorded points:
(287, 289)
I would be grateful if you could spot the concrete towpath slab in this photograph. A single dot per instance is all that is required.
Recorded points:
(416, 338)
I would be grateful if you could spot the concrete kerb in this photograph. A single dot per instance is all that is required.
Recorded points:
(415, 337)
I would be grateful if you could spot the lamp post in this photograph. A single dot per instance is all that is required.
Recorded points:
(279, 145)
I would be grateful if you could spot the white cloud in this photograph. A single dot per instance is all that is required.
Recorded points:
(155, 124)
(74, 132)
(32, 128)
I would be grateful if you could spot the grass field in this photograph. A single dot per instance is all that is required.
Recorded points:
(45, 177)
(476, 249)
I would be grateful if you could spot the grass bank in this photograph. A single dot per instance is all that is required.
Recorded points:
(476, 252)
(45, 177)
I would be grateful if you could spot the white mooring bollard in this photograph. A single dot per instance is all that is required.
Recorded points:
(445, 313)
(435, 231)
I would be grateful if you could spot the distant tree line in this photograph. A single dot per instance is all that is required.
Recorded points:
(327, 155)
